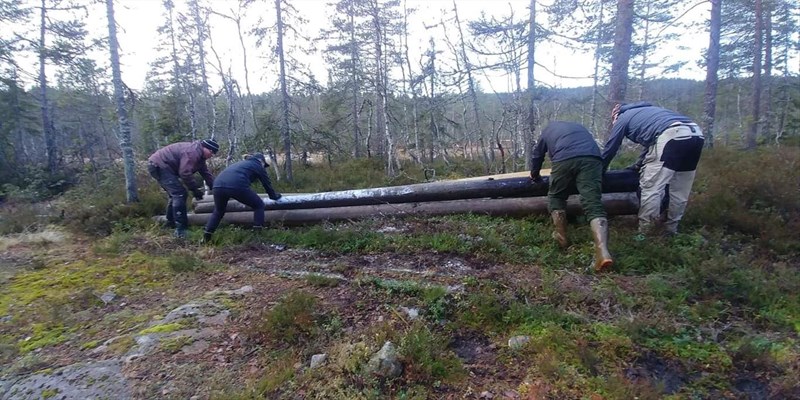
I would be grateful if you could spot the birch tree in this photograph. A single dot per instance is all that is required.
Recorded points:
(131, 192)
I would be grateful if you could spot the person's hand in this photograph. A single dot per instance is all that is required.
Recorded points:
(198, 194)
(277, 196)
(634, 167)
(536, 178)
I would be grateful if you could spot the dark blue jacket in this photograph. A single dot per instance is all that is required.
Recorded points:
(562, 141)
(641, 123)
(241, 174)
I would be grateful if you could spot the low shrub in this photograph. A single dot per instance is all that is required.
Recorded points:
(97, 204)
(751, 193)
(292, 321)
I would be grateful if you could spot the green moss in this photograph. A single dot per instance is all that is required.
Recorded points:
(164, 328)
(49, 393)
(43, 336)
(90, 344)
(317, 280)
(175, 344)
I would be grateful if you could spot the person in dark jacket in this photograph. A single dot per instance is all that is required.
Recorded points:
(576, 160)
(234, 183)
(672, 147)
(176, 163)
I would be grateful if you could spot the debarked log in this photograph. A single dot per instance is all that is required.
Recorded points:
(621, 181)
(614, 203)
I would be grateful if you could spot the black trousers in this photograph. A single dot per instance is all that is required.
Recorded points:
(171, 183)
(245, 196)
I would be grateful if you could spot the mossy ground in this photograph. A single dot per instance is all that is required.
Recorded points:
(710, 313)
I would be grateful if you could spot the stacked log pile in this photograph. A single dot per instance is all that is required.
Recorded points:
(497, 196)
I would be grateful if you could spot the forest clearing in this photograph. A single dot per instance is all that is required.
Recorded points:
(475, 306)
(363, 282)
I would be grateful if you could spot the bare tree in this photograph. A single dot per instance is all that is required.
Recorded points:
(124, 124)
(287, 141)
(621, 55)
(752, 132)
(712, 66)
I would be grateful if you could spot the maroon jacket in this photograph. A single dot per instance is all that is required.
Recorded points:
(184, 159)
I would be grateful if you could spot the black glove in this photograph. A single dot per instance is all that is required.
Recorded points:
(198, 194)
(634, 167)
(276, 197)
(536, 178)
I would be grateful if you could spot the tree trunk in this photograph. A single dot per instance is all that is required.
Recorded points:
(201, 37)
(766, 129)
(473, 97)
(47, 124)
(712, 67)
(752, 132)
(596, 76)
(529, 141)
(473, 188)
(124, 124)
(354, 84)
(615, 204)
(287, 141)
(621, 55)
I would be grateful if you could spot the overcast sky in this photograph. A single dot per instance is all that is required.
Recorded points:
(139, 19)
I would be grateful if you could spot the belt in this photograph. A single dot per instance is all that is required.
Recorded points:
(691, 125)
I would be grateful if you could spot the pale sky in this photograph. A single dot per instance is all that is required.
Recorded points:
(139, 19)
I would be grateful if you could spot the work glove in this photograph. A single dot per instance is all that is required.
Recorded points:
(634, 167)
(198, 194)
(276, 197)
(536, 178)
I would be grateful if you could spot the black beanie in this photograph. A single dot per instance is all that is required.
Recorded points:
(210, 144)
(260, 157)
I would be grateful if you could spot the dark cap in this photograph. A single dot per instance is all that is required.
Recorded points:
(210, 144)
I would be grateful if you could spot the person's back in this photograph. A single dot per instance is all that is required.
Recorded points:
(565, 140)
(239, 174)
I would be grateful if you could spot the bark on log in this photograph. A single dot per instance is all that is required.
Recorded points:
(613, 182)
(614, 203)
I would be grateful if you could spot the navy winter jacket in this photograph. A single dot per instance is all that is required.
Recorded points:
(241, 174)
(562, 141)
(640, 122)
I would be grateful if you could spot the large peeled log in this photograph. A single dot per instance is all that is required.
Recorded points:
(614, 203)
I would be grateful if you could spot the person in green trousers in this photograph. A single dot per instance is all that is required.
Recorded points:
(576, 161)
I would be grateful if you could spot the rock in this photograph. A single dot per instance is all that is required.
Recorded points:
(97, 380)
(517, 342)
(412, 313)
(244, 289)
(196, 347)
(107, 297)
(317, 360)
(385, 363)
(486, 395)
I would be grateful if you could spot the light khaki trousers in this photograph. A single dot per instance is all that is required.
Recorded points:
(654, 177)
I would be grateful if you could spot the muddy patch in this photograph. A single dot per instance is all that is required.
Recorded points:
(662, 374)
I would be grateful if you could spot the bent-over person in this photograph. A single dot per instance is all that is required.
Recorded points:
(234, 183)
(672, 147)
(174, 166)
(576, 160)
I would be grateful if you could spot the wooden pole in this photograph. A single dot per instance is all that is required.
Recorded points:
(614, 182)
(614, 203)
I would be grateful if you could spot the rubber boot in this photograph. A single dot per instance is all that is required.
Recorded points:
(207, 237)
(602, 258)
(560, 224)
(180, 233)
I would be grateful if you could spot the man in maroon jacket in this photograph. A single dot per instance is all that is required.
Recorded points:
(178, 162)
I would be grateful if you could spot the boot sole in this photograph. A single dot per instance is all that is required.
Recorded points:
(604, 265)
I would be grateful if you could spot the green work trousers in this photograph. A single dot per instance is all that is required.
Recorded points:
(586, 173)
